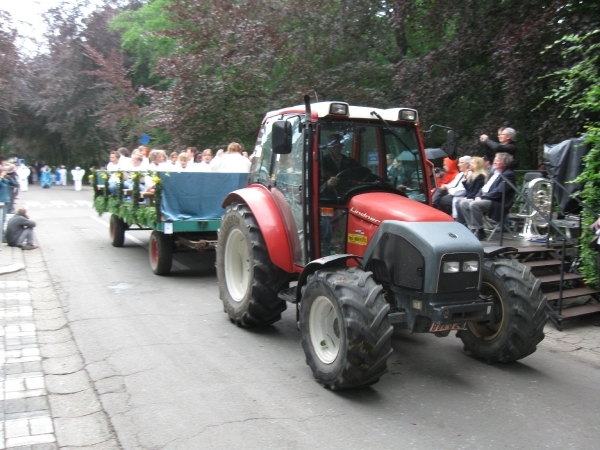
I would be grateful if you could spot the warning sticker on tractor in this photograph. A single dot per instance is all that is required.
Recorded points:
(357, 239)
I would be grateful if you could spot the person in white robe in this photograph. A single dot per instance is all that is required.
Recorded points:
(23, 171)
(77, 173)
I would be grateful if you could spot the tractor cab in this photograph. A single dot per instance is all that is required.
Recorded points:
(336, 165)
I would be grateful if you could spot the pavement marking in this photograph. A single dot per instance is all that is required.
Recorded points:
(60, 204)
(138, 242)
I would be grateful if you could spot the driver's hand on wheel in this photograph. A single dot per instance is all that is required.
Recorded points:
(401, 188)
(333, 181)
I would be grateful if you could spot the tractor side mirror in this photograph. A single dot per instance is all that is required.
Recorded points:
(282, 137)
(451, 144)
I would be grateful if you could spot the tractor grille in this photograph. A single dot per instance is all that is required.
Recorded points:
(409, 265)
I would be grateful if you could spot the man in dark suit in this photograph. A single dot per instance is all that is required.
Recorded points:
(489, 199)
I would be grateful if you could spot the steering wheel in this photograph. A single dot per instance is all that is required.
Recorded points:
(358, 173)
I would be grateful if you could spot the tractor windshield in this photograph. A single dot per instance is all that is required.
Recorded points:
(357, 154)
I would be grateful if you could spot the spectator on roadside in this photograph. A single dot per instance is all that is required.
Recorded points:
(24, 172)
(506, 136)
(19, 231)
(487, 165)
(14, 190)
(56, 176)
(63, 175)
(231, 161)
(77, 173)
(443, 197)
(45, 177)
(173, 157)
(198, 158)
(489, 198)
(475, 180)
(6, 184)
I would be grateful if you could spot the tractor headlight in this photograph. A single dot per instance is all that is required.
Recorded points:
(339, 109)
(451, 267)
(408, 114)
(470, 266)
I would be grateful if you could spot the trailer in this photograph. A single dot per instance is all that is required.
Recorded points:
(183, 209)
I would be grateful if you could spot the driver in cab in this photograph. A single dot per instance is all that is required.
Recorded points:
(334, 162)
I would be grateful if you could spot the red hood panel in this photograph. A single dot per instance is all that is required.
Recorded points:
(375, 207)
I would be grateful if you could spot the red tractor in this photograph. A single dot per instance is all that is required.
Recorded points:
(329, 224)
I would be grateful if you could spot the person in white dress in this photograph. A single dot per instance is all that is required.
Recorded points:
(23, 171)
(63, 175)
(77, 173)
(231, 161)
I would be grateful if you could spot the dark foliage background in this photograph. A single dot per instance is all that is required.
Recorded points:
(204, 72)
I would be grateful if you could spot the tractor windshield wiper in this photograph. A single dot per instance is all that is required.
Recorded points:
(390, 129)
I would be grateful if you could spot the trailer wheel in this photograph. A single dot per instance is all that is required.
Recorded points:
(346, 334)
(248, 280)
(117, 230)
(161, 253)
(520, 314)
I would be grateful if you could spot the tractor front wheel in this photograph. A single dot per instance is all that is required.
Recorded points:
(346, 334)
(519, 314)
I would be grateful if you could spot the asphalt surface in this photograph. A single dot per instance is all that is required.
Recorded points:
(51, 400)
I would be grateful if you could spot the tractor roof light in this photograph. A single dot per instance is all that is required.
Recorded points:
(339, 109)
(408, 115)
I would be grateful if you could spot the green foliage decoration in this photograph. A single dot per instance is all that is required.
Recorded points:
(127, 208)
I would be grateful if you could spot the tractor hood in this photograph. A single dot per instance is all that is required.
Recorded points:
(375, 207)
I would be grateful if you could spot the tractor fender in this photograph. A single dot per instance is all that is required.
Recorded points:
(318, 264)
(270, 221)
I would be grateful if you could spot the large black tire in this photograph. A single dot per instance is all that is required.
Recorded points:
(346, 333)
(117, 231)
(248, 280)
(161, 253)
(520, 314)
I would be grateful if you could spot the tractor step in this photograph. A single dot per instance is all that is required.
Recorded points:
(556, 278)
(543, 263)
(580, 310)
(570, 293)
(289, 295)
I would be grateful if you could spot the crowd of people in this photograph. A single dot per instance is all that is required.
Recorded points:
(234, 159)
(142, 159)
(472, 187)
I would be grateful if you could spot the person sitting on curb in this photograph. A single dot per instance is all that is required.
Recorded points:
(19, 231)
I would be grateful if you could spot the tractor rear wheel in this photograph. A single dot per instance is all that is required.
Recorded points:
(519, 314)
(248, 280)
(117, 231)
(161, 253)
(346, 334)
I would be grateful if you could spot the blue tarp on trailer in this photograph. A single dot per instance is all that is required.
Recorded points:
(197, 195)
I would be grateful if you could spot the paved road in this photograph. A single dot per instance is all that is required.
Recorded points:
(130, 360)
